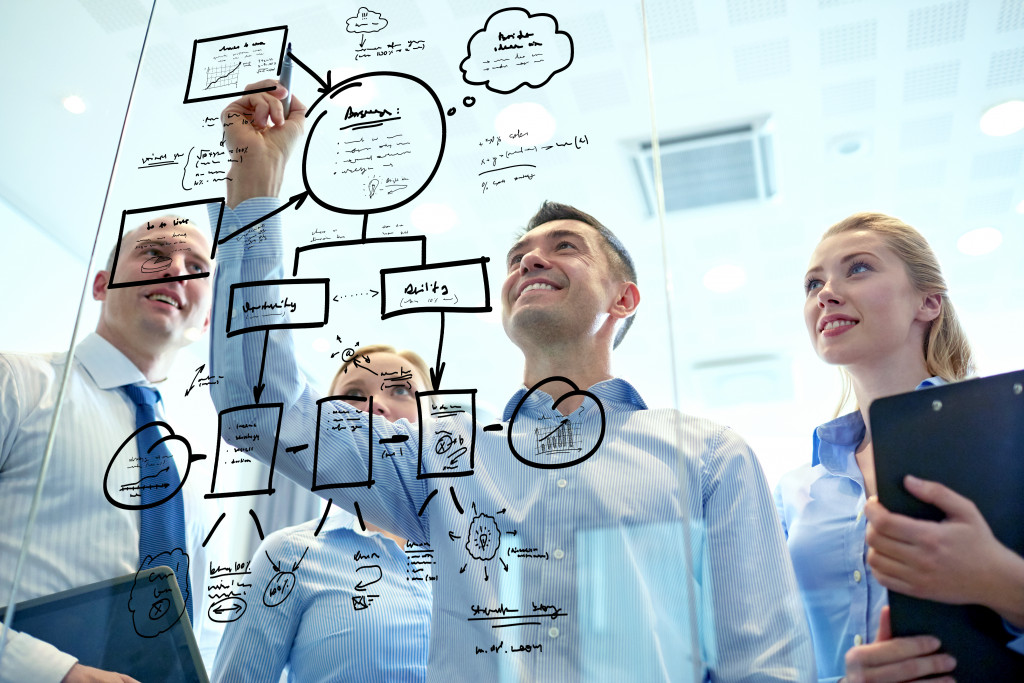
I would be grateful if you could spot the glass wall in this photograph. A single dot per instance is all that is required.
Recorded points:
(717, 141)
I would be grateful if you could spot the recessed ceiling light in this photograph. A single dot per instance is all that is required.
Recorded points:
(726, 278)
(1003, 119)
(432, 219)
(980, 241)
(74, 104)
(524, 124)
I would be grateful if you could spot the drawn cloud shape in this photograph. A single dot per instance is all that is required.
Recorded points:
(516, 48)
(365, 21)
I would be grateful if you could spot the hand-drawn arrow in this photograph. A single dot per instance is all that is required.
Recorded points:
(361, 586)
(438, 369)
(257, 390)
(296, 199)
(295, 566)
(233, 608)
(451, 535)
(363, 41)
(272, 563)
(324, 85)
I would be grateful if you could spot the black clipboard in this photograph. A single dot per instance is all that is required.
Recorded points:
(969, 436)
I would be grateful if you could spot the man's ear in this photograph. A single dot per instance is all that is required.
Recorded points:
(99, 285)
(930, 307)
(627, 301)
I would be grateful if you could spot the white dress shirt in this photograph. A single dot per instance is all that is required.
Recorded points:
(78, 537)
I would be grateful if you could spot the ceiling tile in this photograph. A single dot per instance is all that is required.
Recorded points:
(999, 164)
(762, 60)
(848, 43)
(933, 130)
(848, 98)
(989, 203)
(670, 19)
(938, 24)
(931, 82)
(924, 175)
(1006, 67)
(751, 11)
(1011, 16)
(117, 15)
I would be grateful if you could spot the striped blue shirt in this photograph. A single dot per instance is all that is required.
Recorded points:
(659, 557)
(333, 606)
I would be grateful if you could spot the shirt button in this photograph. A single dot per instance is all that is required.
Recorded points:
(857, 640)
(562, 483)
(553, 632)
(856, 575)
(559, 554)
(860, 513)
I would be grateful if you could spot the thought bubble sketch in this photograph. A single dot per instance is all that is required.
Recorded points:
(365, 21)
(516, 48)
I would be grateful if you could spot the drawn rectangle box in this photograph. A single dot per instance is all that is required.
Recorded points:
(162, 209)
(453, 286)
(444, 432)
(246, 424)
(222, 63)
(338, 413)
(297, 304)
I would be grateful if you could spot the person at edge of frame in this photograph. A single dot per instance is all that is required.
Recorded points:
(79, 537)
(877, 305)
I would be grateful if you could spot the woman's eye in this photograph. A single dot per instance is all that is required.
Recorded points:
(401, 391)
(358, 393)
(812, 285)
(198, 267)
(859, 267)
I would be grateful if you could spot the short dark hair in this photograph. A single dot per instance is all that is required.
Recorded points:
(617, 254)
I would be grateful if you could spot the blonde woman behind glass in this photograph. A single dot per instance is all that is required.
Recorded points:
(876, 305)
(327, 627)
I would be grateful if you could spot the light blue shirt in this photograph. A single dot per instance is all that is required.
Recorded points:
(338, 606)
(545, 574)
(821, 507)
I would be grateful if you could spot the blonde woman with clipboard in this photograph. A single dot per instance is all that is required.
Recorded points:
(876, 305)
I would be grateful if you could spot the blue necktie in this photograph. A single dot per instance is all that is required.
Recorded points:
(161, 528)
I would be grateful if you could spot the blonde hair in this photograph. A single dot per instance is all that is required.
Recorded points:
(947, 353)
(418, 363)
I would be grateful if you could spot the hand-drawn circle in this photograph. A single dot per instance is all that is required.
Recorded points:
(468, 101)
(451, 111)
(159, 608)
(576, 392)
(234, 610)
(278, 588)
(344, 188)
(170, 437)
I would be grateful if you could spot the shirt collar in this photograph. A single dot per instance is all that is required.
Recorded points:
(108, 367)
(614, 392)
(836, 439)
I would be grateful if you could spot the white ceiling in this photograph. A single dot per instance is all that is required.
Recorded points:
(909, 80)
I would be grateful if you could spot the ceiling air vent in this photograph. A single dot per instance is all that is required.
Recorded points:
(711, 168)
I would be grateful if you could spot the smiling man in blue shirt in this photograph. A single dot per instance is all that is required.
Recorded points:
(658, 557)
